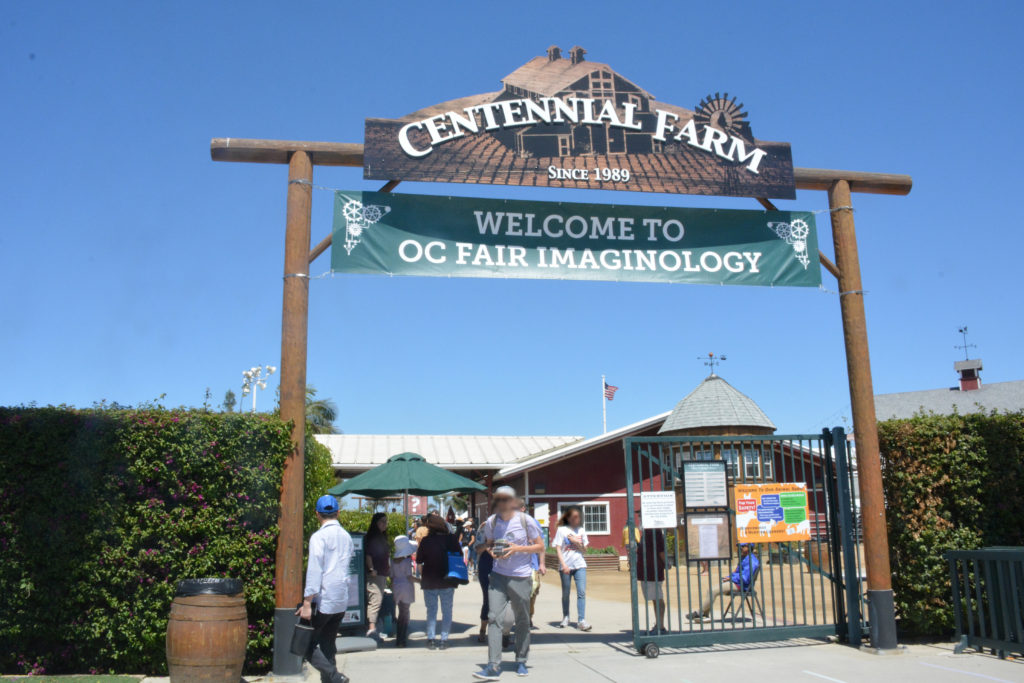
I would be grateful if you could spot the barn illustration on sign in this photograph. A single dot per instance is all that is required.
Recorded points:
(567, 122)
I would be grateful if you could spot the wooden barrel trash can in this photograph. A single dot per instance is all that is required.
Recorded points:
(207, 631)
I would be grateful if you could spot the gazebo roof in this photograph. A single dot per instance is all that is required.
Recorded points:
(716, 403)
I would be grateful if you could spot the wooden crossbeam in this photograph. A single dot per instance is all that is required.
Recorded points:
(351, 154)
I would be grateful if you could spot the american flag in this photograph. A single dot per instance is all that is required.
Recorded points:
(609, 391)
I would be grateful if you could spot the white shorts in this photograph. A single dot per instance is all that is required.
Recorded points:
(651, 589)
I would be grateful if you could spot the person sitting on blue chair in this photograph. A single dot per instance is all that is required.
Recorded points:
(740, 580)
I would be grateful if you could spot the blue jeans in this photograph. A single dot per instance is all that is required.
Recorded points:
(580, 576)
(430, 597)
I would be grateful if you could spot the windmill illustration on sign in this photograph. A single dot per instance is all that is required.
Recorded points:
(359, 217)
(795, 233)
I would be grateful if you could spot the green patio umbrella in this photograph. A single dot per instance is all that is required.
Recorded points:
(406, 473)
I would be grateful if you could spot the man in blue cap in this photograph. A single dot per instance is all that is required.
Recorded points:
(326, 595)
(740, 580)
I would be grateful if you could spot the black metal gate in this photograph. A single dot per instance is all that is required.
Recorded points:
(790, 500)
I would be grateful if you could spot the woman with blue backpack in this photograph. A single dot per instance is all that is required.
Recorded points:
(432, 559)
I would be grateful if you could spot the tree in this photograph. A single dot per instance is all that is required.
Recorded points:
(229, 401)
(320, 412)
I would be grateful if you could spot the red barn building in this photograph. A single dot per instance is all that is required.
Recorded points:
(590, 473)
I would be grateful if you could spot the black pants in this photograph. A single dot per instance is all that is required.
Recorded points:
(483, 575)
(322, 650)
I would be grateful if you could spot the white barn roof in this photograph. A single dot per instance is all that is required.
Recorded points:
(539, 459)
(360, 452)
(716, 403)
(1001, 396)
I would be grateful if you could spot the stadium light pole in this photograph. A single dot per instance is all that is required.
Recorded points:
(256, 378)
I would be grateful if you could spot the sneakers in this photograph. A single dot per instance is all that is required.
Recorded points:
(488, 673)
(339, 677)
(564, 623)
(695, 616)
(521, 669)
(443, 645)
(431, 644)
(583, 625)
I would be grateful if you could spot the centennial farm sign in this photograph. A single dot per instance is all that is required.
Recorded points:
(560, 122)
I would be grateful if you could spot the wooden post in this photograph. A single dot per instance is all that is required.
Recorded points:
(865, 427)
(294, 329)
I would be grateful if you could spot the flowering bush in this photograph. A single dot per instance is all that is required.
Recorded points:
(102, 512)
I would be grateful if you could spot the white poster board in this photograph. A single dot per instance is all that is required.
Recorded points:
(541, 514)
(658, 510)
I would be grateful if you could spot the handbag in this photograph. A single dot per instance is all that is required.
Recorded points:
(302, 636)
(457, 570)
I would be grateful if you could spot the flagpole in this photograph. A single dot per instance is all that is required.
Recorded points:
(604, 406)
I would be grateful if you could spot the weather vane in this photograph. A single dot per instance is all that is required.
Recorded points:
(965, 345)
(712, 360)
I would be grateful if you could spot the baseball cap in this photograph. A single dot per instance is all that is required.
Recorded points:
(327, 505)
(504, 492)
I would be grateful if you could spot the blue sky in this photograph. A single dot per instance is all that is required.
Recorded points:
(134, 266)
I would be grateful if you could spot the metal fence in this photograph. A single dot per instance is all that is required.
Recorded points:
(805, 588)
(988, 598)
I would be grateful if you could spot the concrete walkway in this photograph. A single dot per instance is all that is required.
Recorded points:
(606, 654)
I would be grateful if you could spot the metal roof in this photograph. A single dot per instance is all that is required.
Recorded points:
(550, 77)
(716, 403)
(539, 459)
(359, 452)
(1002, 396)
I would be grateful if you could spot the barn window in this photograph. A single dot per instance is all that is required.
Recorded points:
(595, 517)
(601, 84)
(564, 147)
(751, 463)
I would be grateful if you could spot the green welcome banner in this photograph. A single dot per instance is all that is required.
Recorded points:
(406, 234)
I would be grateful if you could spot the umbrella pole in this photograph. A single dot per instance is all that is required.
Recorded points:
(405, 498)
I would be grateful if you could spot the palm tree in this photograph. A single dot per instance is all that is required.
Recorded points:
(320, 412)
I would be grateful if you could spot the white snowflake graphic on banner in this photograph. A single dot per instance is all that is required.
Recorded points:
(795, 233)
(358, 218)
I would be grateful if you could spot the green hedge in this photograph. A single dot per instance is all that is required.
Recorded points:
(952, 482)
(103, 511)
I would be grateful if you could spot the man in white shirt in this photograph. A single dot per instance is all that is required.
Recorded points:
(326, 595)
(512, 538)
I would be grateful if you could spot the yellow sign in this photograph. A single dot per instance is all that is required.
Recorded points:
(772, 513)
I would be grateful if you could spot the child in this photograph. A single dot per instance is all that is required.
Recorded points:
(402, 586)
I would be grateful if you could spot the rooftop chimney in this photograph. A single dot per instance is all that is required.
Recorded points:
(576, 54)
(554, 53)
(970, 379)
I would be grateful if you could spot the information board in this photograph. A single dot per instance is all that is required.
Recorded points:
(705, 484)
(708, 536)
(772, 513)
(355, 613)
(658, 510)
